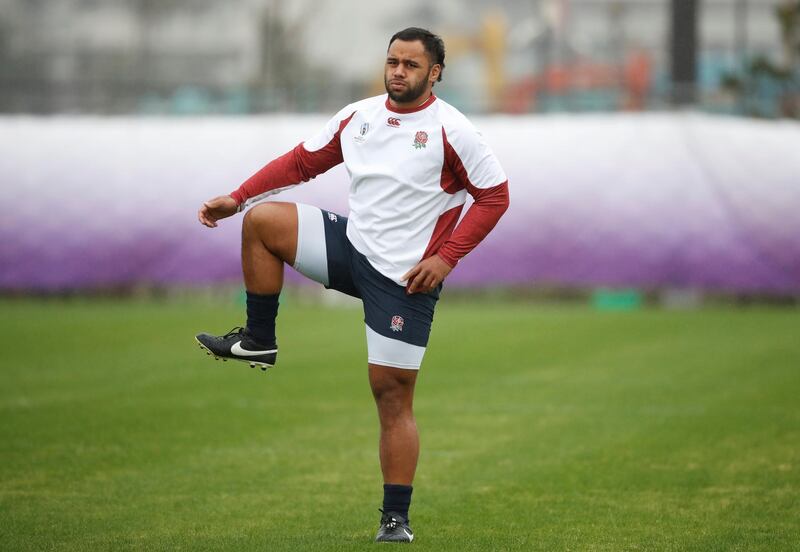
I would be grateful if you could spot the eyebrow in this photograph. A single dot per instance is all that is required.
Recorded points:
(407, 60)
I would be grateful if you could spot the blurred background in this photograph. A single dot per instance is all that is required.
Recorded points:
(651, 145)
(181, 57)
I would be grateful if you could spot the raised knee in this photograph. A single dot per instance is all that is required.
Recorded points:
(262, 214)
(271, 222)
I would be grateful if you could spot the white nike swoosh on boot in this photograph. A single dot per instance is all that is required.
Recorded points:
(237, 350)
(409, 535)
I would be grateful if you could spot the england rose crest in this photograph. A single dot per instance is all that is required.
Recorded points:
(420, 139)
(397, 324)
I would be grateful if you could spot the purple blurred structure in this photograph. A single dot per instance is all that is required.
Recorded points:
(647, 201)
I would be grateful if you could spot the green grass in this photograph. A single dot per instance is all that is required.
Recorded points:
(542, 428)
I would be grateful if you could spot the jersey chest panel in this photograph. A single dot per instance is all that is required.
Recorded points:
(409, 152)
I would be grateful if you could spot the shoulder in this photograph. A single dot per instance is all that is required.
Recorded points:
(459, 131)
(367, 104)
(452, 118)
(455, 124)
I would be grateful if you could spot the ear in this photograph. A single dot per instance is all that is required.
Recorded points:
(436, 70)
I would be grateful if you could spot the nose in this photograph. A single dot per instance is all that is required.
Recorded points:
(399, 71)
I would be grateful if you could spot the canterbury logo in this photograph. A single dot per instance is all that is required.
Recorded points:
(393, 121)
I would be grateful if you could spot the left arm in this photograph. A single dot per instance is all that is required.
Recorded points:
(481, 217)
(473, 166)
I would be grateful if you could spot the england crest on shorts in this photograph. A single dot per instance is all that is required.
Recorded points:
(397, 323)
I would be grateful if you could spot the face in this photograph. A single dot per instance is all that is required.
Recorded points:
(409, 74)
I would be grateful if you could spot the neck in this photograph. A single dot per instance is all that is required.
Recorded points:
(413, 103)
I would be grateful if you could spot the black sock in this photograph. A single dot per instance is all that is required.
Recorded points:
(397, 498)
(261, 313)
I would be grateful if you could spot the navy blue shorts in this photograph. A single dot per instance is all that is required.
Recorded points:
(398, 325)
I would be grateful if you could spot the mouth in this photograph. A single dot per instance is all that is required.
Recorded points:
(397, 84)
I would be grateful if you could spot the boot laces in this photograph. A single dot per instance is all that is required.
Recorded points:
(390, 522)
(238, 330)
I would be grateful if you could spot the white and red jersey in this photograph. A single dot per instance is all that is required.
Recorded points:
(410, 171)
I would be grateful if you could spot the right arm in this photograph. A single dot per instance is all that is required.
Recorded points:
(301, 164)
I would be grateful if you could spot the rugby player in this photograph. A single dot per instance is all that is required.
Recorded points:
(412, 159)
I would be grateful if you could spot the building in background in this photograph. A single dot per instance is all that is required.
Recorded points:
(244, 56)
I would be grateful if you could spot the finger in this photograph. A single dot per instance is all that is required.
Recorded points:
(206, 221)
(410, 287)
(410, 274)
(420, 280)
(429, 283)
(414, 283)
(201, 216)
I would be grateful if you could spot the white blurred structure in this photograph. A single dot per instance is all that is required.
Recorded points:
(685, 201)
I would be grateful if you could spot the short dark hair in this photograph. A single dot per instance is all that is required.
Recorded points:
(434, 45)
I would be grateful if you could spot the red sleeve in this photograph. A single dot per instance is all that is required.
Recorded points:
(481, 217)
(298, 165)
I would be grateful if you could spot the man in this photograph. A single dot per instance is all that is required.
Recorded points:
(412, 159)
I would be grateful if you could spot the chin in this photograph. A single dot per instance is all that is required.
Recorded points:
(403, 97)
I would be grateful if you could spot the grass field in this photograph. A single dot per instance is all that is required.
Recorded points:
(542, 428)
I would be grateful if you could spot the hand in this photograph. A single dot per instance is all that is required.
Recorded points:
(215, 209)
(426, 275)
